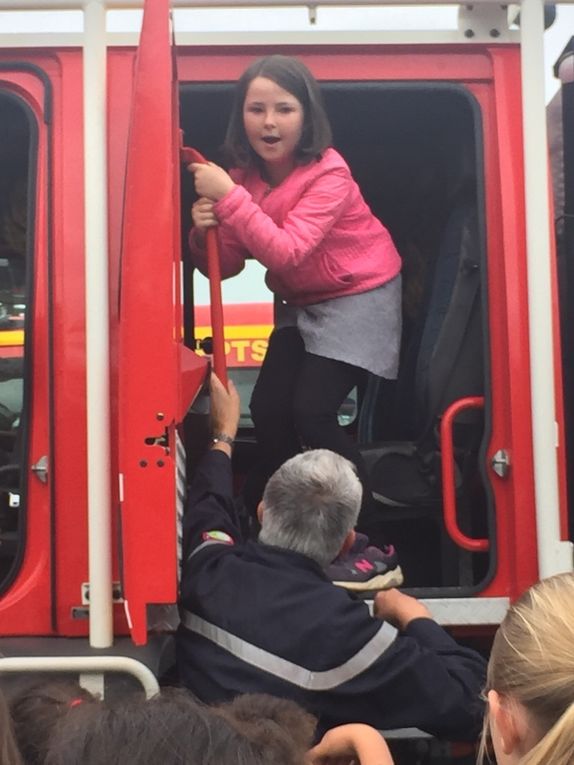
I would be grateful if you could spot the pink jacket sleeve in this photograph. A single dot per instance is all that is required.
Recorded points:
(282, 248)
(231, 254)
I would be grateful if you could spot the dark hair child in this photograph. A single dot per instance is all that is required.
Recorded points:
(36, 707)
(9, 752)
(168, 729)
(280, 730)
(292, 204)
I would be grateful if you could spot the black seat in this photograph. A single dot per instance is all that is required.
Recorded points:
(443, 362)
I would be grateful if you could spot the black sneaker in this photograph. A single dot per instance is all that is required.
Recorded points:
(367, 569)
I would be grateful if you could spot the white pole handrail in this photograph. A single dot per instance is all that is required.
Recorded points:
(85, 665)
(97, 326)
(554, 556)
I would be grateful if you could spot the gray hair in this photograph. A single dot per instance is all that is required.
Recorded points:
(311, 503)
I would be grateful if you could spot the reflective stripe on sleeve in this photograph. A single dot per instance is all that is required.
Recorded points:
(323, 680)
(207, 543)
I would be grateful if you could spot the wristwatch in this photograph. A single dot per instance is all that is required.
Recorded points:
(223, 437)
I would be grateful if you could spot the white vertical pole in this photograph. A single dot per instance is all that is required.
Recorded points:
(97, 325)
(554, 556)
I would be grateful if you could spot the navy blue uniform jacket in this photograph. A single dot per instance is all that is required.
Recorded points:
(259, 619)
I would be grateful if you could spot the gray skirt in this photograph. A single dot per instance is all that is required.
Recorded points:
(363, 330)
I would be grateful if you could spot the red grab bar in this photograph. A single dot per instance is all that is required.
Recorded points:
(448, 479)
(214, 272)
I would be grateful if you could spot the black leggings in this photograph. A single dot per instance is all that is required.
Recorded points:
(294, 405)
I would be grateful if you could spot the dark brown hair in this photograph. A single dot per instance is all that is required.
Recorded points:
(169, 729)
(9, 753)
(281, 731)
(294, 77)
(36, 707)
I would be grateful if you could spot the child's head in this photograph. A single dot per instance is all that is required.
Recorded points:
(9, 752)
(169, 729)
(530, 677)
(292, 76)
(280, 730)
(36, 708)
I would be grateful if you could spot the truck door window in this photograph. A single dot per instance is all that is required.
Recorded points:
(15, 142)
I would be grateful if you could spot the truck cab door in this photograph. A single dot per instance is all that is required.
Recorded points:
(26, 346)
(158, 376)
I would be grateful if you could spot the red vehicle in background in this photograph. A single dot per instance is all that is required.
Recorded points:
(99, 358)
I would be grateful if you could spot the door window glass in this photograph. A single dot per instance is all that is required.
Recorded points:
(15, 140)
(248, 317)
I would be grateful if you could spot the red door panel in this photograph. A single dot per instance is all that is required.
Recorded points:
(154, 366)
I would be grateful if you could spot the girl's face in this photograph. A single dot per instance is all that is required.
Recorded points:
(273, 121)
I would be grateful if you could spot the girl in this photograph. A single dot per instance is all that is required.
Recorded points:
(530, 678)
(292, 205)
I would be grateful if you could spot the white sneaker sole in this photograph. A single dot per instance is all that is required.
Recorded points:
(393, 578)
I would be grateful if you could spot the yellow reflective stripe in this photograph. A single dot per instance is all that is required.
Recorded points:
(12, 337)
(239, 331)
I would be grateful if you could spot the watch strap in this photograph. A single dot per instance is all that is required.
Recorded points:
(223, 437)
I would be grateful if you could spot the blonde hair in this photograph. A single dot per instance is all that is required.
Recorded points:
(532, 662)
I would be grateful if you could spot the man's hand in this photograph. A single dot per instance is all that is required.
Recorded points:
(225, 410)
(399, 609)
(211, 181)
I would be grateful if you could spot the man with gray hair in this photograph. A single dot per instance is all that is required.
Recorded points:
(311, 505)
(263, 617)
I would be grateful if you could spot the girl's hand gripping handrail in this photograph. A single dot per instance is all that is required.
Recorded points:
(189, 155)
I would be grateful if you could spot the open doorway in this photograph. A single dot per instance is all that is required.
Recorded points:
(416, 151)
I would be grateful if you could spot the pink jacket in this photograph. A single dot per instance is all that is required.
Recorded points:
(314, 233)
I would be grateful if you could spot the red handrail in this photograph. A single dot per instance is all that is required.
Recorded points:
(448, 479)
(214, 273)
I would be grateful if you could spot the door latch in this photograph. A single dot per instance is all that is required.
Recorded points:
(40, 469)
(500, 463)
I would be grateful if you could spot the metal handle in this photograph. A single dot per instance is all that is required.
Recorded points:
(448, 481)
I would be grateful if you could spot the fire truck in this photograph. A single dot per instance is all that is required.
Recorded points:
(103, 354)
